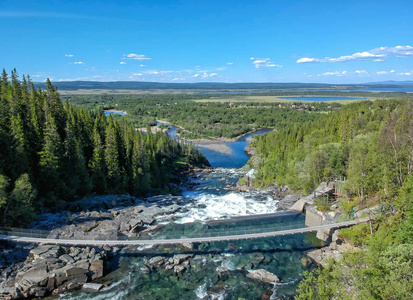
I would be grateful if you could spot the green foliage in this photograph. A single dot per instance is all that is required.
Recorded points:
(356, 234)
(368, 143)
(51, 153)
(363, 275)
(210, 119)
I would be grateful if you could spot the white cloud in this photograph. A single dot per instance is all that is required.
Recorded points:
(97, 76)
(336, 73)
(385, 72)
(376, 54)
(79, 63)
(205, 75)
(135, 56)
(361, 72)
(122, 63)
(306, 60)
(135, 75)
(264, 63)
(142, 65)
(69, 55)
(406, 73)
(159, 72)
(175, 79)
(230, 63)
(252, 57)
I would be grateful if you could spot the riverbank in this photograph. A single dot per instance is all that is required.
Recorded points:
(220, 145)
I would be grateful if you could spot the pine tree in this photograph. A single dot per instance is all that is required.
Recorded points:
(50, 161)
(113, 170)
(97, 164)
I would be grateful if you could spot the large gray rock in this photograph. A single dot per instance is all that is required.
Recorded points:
(37, 276)
(323, 234)
(288, 201)
(93, 287)
(179, 258)
(96, 269)
(263, 275)
(299, 206)
(155, 262)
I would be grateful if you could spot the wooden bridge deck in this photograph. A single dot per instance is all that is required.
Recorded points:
(133, 242)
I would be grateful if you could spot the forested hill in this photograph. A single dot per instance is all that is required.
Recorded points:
(52, 152)
(371, 145)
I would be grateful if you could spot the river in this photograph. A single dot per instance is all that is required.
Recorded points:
(218, 270)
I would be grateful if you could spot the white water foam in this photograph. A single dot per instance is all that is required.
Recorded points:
(213, 207)
(228, 263)
(201, 291)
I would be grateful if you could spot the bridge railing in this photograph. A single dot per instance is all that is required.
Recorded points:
(220, 231)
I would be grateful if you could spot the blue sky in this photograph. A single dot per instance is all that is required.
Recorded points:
(197, 41)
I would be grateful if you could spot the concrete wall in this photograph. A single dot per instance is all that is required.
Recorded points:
(312, 218)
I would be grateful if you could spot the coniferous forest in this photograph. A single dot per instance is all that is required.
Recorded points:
(52, 152)
(368, 146)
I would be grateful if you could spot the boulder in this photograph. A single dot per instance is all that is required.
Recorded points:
(155, 262)
(179, 269)
(67, 258)
(288, 201)
(263, 275)
(299, 206)
(37, 276)
(179, 258)
(93, 287)
(323, 234)
(96, 269)
(74, 283)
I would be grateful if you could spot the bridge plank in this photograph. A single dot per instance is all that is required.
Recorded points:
(27, 239)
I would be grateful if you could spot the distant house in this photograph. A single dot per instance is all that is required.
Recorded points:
(231, 104)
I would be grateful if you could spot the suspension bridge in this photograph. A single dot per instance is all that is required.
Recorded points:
(41, 237)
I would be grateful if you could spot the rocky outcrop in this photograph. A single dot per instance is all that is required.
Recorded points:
(112, 223)
(288, 201)
(250, 150)
(333, 251)
(324, 234)
(263, 275)
(299, 206)
(175, 265)
(51, 269)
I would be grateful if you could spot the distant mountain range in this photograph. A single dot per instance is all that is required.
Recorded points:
(392, 82)
(141, 85)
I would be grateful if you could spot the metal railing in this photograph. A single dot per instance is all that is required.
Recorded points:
(158, 235)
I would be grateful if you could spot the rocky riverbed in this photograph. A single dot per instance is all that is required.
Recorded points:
(259, 269)
(50, 269)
